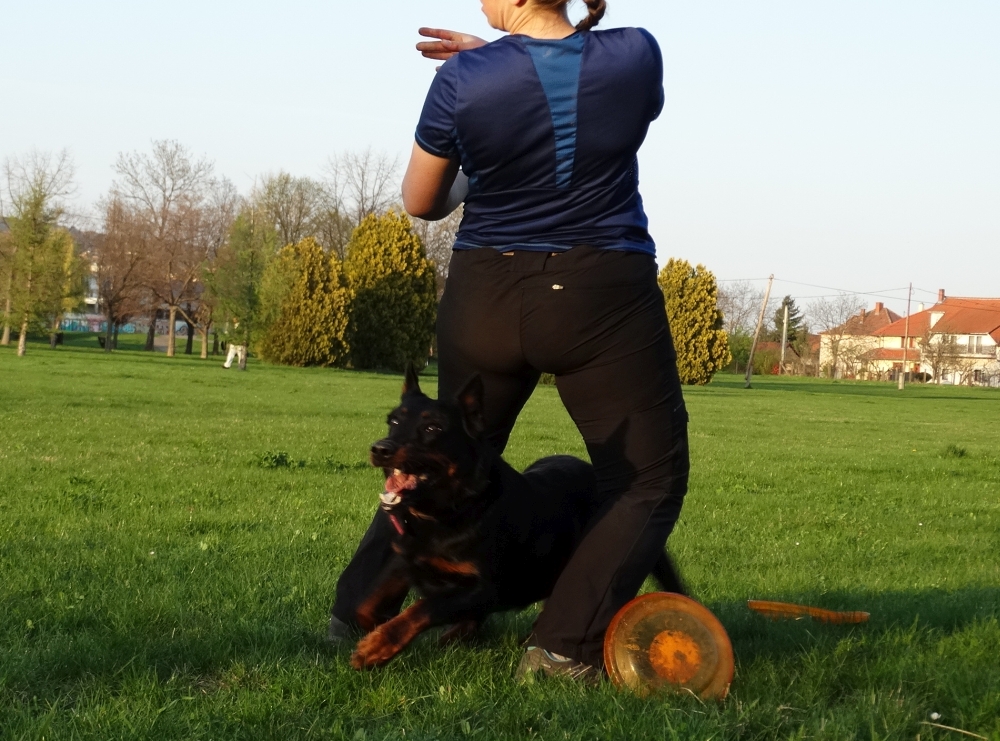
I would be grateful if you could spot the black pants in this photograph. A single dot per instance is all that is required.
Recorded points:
(596, 319)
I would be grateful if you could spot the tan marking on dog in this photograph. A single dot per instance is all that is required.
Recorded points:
(465, 568)
(422, 516)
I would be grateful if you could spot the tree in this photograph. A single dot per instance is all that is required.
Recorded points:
(7, 254)
(187, 214)
(394, 294)
(832, 317)
(42, 264)
(306, 315)
(438, 238)
(796, 323)
(357, 185)
(235, 277)
(293, 207)
(739, 302)
(119, 254)
(941, 352)
(691, 296)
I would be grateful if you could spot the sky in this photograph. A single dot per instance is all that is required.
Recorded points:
(850, 145)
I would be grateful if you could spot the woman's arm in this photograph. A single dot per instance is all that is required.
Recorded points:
(427, 185)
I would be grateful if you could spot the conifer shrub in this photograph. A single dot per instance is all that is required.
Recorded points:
(692, 297)
(305, 308)
(394, 297)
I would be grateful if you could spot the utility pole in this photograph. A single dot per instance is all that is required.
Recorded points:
(756, 334)
(784, 341)
(906, 338)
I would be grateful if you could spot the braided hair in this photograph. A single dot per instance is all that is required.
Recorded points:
(595, 11)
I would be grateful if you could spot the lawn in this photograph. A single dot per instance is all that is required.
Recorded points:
(163, 577)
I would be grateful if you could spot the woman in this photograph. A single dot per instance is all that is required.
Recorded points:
(554, 271)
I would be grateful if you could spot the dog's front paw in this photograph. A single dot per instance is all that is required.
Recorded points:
(375, 649)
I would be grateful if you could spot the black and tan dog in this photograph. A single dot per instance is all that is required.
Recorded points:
(474, 536)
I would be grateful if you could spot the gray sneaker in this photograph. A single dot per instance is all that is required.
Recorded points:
(537, 660)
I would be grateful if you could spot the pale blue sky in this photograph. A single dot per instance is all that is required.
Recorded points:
(851, 144)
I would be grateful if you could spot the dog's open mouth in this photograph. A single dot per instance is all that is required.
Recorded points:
(397, 483)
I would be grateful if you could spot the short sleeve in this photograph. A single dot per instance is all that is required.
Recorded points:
(436, 130)
(660, 96)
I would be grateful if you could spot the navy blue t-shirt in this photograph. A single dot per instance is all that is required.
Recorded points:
(548, 131)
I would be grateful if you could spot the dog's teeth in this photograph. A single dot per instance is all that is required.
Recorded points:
(424, 477)
(397, 472)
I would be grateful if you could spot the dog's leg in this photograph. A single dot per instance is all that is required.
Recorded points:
(382, 644)
(459, 632)
(390, 590)
(667, 576)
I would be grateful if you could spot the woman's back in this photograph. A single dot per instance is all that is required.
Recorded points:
(548, 131)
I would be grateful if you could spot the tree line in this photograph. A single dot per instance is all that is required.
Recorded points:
(305, 272)
(175, 241)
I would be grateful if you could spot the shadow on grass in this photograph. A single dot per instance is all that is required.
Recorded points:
(936, 611)
(46, 660)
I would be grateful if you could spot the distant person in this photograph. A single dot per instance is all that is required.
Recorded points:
(554, 271)
(236, 348)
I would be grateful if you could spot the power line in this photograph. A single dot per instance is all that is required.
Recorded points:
(881, 293)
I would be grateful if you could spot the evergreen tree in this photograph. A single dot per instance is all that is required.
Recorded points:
(305, 307)
(695, 321)
(796, 326)
(394, 296)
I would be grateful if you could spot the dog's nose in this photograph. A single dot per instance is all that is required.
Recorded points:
(383, 450)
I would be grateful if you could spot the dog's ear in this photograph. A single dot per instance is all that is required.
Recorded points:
(412, 383)
(470, 401)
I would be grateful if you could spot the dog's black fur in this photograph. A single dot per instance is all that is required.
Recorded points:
(474, 535)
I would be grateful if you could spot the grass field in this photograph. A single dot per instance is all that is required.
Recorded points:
(162, 578)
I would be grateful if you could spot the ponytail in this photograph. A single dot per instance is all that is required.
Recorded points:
(595, 12)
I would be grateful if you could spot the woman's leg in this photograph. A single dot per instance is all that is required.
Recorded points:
(616, 372)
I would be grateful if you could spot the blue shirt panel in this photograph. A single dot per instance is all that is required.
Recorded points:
(557, 64)
(548, 133)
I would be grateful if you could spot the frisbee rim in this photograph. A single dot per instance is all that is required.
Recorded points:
(718, 687)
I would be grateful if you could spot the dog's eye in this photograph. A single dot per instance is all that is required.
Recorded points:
(393, 421)
(432, 429)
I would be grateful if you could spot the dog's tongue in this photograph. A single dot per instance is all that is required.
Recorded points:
(400, 481)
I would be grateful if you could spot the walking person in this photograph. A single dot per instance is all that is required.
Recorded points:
(554, 271)
(236, 345)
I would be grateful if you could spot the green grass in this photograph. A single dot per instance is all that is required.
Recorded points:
(171, 533)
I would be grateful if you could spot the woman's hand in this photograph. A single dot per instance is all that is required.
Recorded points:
(448, 45)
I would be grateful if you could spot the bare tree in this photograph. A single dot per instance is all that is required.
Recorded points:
(941, 352)
(438, 238)
(361, 184)
(740, 302)
(832, 316)
(120, 254)
(170, 190)
(293, 206)
(32, 203)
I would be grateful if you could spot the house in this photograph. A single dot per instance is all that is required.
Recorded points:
(850, 350)
(955, 341)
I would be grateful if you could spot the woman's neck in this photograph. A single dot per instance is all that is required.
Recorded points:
(542, 26)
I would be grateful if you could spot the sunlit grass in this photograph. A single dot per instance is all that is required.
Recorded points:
(171, 533)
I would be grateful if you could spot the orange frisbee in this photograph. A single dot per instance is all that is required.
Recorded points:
(663, 641)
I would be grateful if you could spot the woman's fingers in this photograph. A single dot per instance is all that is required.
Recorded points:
(448, 43)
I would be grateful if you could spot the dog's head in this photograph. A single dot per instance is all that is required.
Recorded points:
(430, 456)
